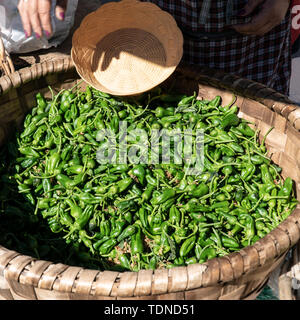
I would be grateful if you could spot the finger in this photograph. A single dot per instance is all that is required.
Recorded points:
(250, 7)
(60, 9)
(44, 9)
(248, 28)
(256, 32)
(25, 19)
(267, 28)
(34, 17)
(257, 24)
(251, 30)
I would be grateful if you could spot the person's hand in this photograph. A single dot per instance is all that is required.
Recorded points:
(36, 16)
(271, 13)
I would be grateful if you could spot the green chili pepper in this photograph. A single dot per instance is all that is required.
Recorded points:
(41, 100)
(266, 176)
(142, 213)
(137, 245)
(272, 203)
(117, 225)
(201, 190)
(83, 219)
(119, 168)
(128, 217)
(226, 150)
(248, 171)
(46, 186)
(161, 112)
(29, 152)
(136, 190)
(220, 204)
(286, 189)
(155, 223)
(32, 126)
(230, 218)
(245, 129)
(64, 180)
(257, 159)
(124, 261)
(124, 184)
(46, 203)
(54, 225)
(126, 204)
(76, 211)
(164, 196)
(207, 254)
(249, 230)
(38, 134)
(151, 180)
(265, 189)
(167, 205)
(75, 169)
(191, 260)
(215, 102)
(193, 205)
(28, 162)
(198, 217)
(153, 263)
(174, 215)
(66, 153)
(105, 227)
(229, 242)
(98, 243)
(127, 232)
(51, 163)
(165, 121)
(107, 246)
(227, 170)
(146, 195)
(229, 120)
(187, 246)
(139, 172)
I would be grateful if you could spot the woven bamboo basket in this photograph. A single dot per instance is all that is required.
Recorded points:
(240, 275)
(127, 47)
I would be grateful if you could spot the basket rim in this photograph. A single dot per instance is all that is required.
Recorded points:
(195, 276)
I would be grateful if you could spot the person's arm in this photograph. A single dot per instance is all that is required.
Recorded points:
(35, 16)
(271, 13)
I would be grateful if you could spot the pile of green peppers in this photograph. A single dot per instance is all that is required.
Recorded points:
(136, 216)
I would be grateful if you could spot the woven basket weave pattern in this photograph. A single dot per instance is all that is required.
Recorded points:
(240, 275)
(127, 47)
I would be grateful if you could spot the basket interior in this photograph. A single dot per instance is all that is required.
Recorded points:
(282, 142)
